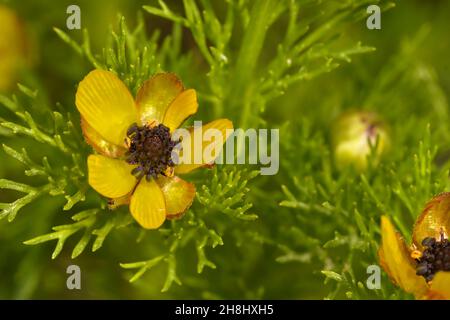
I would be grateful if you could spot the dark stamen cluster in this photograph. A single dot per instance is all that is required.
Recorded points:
(436, 257)
(150, 148)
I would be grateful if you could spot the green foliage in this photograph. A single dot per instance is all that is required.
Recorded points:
(228, 189)
(87, 221)
(237, 82)
(60, 175)
(257, 63)
(10, 209)
(225, 193)
(132, 55)
(349, 204)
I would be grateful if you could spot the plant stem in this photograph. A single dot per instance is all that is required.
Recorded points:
(248, 57)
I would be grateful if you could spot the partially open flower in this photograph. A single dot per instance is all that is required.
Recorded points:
(12, 47)
(134, 142)
(422, 269)
(353, 134)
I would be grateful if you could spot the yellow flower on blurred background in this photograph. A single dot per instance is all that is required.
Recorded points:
(133, 140)
(424, 268)
(12, 47)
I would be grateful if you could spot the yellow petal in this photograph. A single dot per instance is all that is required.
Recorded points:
(395, 260)
(440, 287)
(180, 109)
(155, 96)
(109, 177)
(106, 105)
(147, 205)
(99, 144)
(178, 194)
(223, 126)
(434, 219)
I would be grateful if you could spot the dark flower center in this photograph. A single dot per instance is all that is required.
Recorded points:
(150, 148)
(435, 257)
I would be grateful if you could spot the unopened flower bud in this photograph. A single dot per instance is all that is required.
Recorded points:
(354, 135)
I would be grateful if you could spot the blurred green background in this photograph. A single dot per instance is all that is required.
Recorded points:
(28, 272)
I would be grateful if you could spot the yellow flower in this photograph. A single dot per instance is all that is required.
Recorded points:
(424, 268)
(12, 47)
(133, 139)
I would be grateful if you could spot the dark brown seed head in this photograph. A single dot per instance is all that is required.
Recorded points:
(150, 148)
(435, 257)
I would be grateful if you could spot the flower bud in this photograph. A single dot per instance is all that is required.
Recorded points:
(354, 133)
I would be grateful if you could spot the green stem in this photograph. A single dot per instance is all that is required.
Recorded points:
(252, 45)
